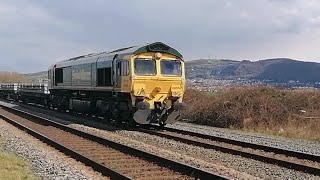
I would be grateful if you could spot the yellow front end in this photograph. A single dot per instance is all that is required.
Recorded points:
(158, 83)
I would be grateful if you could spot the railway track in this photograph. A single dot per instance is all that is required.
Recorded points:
(286, 158)
(282, 157)
(112, 159)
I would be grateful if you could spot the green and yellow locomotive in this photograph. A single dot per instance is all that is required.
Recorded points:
(139, 84)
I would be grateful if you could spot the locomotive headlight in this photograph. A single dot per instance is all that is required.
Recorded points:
(158, 55)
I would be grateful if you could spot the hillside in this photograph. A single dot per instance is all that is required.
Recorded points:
(277, 70)
(37, 76)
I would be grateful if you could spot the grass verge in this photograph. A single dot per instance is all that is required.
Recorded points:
(13, 167)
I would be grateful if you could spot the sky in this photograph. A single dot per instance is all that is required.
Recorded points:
(35, 34)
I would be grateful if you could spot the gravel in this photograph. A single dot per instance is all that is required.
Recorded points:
(46, 162)
(133, 139)
(304, 146)
(249, 166)
(200, 157)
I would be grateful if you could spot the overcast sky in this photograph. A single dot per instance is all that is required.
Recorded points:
(36, 33)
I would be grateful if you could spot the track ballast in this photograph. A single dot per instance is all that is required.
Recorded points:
(112, 159)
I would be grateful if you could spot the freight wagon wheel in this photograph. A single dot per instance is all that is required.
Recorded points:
(16, 99)
(46, 104)
(163, 119)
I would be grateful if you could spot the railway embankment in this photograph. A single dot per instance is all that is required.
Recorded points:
(288, 113)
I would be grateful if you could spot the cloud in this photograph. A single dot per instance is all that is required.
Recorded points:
(35, 34)
(31, 38)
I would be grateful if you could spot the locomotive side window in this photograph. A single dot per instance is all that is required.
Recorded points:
(107, 76)
(123, 68)
(100, 77)
(104, 77)
(59, 76)
(119, 68)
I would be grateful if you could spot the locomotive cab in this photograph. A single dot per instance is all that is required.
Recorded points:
(158, 86)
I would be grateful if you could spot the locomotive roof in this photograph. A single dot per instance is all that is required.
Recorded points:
(154, 47)
(91, 58)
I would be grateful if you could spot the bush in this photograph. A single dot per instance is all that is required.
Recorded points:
(287, 112)
(12, 77)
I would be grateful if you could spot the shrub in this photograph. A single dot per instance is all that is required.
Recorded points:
(12, 77)
(288, 112)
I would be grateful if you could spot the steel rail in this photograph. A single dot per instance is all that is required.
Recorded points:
(276, 150)
(236, 151)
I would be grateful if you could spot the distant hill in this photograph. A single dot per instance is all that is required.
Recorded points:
(35, 77)
(277, 70)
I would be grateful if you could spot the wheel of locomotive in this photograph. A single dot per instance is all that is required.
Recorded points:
(106, 115)
(103, 114)
(162, 124)
(103, 109)
(131, 123)
(162, 121)
(64, 104)
(112, 111)
(125, 116)
(107, 118)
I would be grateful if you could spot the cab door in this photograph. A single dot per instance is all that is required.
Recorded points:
(116, 73)
(50, 78)
(122, 72)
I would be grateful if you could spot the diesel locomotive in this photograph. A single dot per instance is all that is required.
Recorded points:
(136, 85)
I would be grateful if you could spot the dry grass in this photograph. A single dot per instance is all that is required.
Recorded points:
(14, 167)
(12, 77)
(288, 113)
